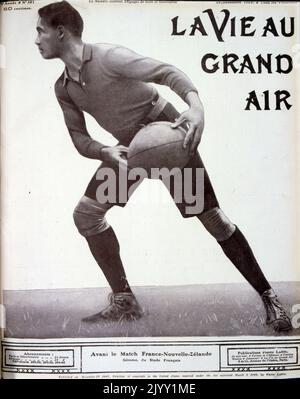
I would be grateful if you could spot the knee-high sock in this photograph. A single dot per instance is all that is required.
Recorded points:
(106, 251)
(237, 249)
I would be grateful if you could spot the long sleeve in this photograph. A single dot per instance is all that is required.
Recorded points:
(125, 62)
(75, 122)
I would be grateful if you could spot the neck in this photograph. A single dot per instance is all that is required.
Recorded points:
(72, 54)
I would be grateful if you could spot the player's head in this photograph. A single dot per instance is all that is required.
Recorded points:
(57, 23)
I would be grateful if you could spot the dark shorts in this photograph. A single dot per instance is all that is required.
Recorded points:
(169, 113)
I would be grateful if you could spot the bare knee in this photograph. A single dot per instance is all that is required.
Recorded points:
(217, 224)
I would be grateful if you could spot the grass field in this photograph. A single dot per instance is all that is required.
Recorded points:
(194, 310)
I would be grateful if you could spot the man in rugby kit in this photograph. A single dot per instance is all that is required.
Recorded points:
(112, 83)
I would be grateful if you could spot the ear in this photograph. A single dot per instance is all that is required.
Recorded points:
(60, 32)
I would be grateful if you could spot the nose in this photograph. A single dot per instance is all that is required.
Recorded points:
(37, 41)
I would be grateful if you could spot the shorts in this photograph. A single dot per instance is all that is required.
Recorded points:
(209, 200)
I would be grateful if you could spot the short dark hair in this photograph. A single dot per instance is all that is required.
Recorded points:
(62, 13)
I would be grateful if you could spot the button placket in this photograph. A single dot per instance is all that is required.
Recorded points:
(83, 83)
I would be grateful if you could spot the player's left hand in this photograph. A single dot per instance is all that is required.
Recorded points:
(194, 118)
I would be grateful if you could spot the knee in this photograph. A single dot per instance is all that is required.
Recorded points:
(89, 217)
(217, 224)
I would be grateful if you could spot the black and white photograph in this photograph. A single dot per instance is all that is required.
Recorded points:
(150, 167)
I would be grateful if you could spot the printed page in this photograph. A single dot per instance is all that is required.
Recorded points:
(150, 196)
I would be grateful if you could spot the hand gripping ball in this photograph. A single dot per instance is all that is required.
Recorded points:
(158, 145)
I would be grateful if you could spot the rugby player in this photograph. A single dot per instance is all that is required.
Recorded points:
(113, 84)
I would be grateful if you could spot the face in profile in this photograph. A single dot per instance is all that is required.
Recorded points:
(47, 40)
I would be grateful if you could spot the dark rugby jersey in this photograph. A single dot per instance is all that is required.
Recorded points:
(114, 88)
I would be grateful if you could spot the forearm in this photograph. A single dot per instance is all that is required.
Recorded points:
(86, 146)
(75, 123)
(176, 80)
(194, 102)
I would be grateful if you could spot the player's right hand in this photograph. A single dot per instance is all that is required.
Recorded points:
(117, 155)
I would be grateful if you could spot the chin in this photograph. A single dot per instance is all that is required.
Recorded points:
(48, 56)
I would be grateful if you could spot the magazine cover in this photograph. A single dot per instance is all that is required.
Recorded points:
(149, 189)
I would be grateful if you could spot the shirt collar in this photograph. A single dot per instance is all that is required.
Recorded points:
(86, 56)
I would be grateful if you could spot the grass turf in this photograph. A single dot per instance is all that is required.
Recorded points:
(193, 310)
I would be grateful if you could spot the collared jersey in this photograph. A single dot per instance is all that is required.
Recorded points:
(114, 88)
